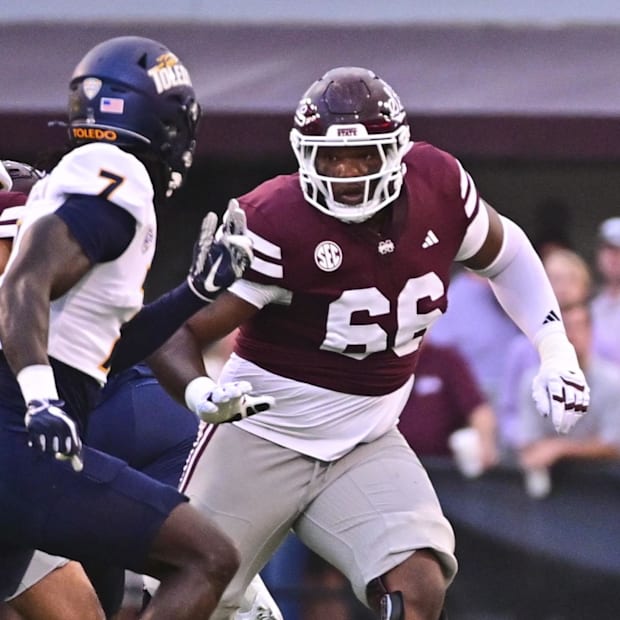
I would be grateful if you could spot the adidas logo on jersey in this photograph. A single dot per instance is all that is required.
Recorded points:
(551, 318)
(430, 239)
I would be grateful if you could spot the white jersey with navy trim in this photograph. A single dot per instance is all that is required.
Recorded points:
(85, 323)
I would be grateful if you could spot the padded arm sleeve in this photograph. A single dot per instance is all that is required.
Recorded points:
(153, 325)
(520, 283)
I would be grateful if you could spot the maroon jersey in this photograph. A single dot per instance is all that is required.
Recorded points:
(360, 301)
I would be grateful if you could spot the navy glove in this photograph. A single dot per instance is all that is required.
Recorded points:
(218, 262)
(51, 430)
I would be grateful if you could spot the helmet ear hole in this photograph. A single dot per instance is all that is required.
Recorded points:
(142, 61)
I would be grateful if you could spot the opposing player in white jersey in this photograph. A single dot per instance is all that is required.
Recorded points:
(352, 257)
(72, 287)
(137, 422)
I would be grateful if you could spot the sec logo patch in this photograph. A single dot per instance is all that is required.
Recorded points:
(328, 256)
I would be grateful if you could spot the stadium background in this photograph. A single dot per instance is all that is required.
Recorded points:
(526, 94)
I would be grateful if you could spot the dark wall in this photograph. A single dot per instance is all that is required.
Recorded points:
(571, 197)
(566, 184)
(574, 195)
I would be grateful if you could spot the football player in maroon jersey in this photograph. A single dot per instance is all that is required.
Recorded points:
(352, 262)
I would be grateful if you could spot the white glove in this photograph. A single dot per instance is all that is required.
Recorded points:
(561, 391)
(228, 402)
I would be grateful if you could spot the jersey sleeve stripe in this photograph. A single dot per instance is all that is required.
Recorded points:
(469, 193)
(464, 180)
(8, 231)
(474, 237)
(472, 200)
(265, 247)
(260, 295)
(12, 214)
(267, 269)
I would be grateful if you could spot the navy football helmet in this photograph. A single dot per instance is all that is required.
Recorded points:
(135, 93)
(351, 106)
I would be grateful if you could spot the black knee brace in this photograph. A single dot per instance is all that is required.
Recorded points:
(392, 606)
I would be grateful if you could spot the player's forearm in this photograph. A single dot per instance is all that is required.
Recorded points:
(153, 325)
(177, 362)
(24, 322)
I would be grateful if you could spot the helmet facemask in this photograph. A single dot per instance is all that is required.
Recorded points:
(178, 148)
(351, 107)
(380, 188)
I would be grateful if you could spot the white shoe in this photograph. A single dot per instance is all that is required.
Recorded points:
(258, 604)
(256, 613)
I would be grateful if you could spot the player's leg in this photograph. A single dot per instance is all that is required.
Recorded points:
(160, 437)
(109, 584)
(423, 597)
(151, 529)
(54, 589)
(111, 512)
(194, 563)
(378, 521)
(138, 422)
(252, 489)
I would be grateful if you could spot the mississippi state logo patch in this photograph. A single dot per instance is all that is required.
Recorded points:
(328, 256)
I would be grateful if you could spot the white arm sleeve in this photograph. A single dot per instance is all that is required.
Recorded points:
(260, 295)
(520, 283)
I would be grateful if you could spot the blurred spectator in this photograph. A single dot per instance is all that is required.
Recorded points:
(606, 302)
(571, 280)
(446, 397)
(471, 303)
(597, 435)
